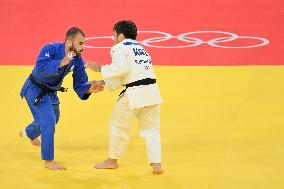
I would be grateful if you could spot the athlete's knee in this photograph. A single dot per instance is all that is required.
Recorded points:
(153, 131)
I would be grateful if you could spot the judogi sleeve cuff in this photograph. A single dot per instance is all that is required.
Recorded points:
(82, 91)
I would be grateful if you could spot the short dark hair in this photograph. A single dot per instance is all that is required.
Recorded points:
(127, 28)
(72, 32)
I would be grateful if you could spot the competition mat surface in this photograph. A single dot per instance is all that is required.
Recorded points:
(219, 65)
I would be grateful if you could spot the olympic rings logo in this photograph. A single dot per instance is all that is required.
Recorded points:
(219, 42)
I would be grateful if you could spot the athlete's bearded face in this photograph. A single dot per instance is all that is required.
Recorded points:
(78, 44)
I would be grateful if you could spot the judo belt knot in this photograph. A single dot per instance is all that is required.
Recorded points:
(146, 81)
(44, 90)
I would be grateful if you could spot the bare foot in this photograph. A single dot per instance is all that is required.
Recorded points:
(157, 168)
(107, 164)
(53, 165)
(34, 142)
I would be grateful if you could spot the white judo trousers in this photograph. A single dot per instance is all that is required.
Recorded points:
(149, 126)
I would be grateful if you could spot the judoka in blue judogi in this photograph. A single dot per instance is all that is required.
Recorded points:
(55, 61)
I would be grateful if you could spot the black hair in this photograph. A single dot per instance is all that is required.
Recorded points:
(72, 32)
(127, 28)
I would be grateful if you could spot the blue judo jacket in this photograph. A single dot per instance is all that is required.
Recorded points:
(47, 71)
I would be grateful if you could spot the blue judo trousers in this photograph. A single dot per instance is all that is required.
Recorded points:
(48, 72)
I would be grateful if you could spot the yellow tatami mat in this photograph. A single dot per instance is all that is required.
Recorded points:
(221, 128)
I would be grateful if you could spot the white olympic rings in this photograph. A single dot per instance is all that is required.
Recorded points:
(192, 41)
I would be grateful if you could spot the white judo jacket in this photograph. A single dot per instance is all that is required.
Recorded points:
(130, 63)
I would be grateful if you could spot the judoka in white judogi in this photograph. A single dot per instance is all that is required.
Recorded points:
(132, 67)
(131, 63)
